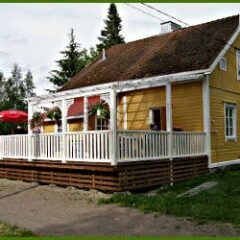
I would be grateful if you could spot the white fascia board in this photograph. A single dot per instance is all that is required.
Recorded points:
(157, 82)
(119, 86)
(225, 49)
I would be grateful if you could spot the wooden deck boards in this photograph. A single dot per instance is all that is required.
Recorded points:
(126, 176)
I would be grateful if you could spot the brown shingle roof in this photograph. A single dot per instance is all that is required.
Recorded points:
(184, 50)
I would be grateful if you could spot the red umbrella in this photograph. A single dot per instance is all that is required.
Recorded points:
(13, 116)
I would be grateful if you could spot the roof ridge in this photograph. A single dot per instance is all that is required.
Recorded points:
(169, 33)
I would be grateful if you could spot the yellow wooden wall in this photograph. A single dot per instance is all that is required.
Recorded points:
(49, 127)
(187, 107)
(224, 87)
(75, 125)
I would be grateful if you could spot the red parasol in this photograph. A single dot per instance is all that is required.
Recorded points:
(13, 116)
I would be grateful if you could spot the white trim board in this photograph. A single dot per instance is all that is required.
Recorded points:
(119, 86)
(225, 163)
(225, 49)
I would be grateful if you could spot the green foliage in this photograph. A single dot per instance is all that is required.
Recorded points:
(7, 230)
(110, 35)
(220, 203)
(37, 119)
(103, 111)
(14, 93)
(72, 62)
(91, 55)
(53, 113)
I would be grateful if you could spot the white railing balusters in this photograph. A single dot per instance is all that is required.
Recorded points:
(149, 145)
(96, 145)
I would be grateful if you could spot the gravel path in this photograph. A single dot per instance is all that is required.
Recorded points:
(51, 210)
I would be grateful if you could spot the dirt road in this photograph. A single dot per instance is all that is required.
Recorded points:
(51, 210)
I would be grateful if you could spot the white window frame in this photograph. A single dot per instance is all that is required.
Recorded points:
(238, 63)
(234, 107)
(224, 60)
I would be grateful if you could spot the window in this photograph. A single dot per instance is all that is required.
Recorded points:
(157, 117)
(102, 124)
(230, 121)
(238, 64)
(223, 64)
(59, 126)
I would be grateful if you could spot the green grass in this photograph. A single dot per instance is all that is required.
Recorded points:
(221, 203)
(7, 230)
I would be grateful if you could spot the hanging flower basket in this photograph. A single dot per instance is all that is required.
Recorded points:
(100, 110)
(37, 119)
(53, 113)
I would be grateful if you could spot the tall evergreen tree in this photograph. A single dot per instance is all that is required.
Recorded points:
(72, 62)
(91, 55)
(1, 88)
(110, 35)
(15, 91)
(29, 85)
(13, 88)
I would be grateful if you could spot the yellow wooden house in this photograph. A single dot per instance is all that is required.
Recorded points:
(171, 99)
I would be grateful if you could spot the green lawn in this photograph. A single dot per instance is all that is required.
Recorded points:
(221, 203)
(7, 230)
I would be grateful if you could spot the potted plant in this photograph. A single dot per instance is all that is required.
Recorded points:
(37, 119)
(100, 110)
(53, 113)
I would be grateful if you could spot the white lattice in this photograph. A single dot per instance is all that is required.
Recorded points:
(105, 97)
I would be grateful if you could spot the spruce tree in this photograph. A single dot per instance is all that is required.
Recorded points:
(72, 62)
(29, 85)
(15, 90)
(1, 88)
(91, 55)
(110, 35)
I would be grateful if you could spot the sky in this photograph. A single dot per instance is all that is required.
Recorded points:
(32, 35)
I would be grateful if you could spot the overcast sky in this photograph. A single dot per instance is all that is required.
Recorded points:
(33, 34)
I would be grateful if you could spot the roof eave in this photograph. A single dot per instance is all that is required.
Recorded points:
(120, 86)
(225, 49)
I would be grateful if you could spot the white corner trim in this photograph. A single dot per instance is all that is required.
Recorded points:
(225, 49)
(225, 163)
(206, 116)
(125, 116)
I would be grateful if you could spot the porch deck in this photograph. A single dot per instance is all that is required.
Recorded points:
(142, 159)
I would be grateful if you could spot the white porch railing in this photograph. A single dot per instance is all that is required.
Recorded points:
(91, 145)
(97, 145)
(14, 146)
(188, 144)
(140, 145)
(147, 145)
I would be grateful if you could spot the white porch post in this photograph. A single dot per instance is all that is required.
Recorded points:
(85, 112)
(206, 117)
(169, 116)
(64, 130)
(30, 108)
(113, 127)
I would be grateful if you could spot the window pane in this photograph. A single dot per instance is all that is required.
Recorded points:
(230, 120)
(238, 61)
